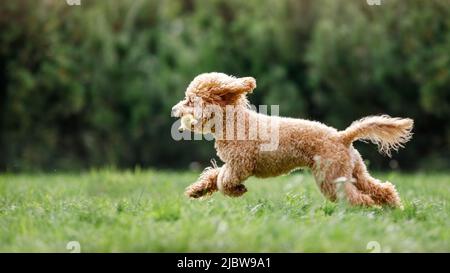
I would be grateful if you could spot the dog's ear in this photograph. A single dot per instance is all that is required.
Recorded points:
(240, 85)
(219, 88)
(233, 89)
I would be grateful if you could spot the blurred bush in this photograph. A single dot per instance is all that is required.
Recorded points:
(93, 85)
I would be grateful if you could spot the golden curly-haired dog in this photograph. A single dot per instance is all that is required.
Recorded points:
(337, 166)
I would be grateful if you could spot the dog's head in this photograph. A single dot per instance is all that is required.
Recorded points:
(211, 91)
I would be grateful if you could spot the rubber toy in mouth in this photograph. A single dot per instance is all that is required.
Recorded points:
(187, 121)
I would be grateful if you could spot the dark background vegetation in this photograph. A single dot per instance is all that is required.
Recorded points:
(92, 85)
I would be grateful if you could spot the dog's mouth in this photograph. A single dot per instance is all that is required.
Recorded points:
(187, 123)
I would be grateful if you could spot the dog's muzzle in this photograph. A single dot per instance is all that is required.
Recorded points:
(175, 112)
(187, 121)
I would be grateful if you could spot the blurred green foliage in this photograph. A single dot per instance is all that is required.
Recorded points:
(93, 85)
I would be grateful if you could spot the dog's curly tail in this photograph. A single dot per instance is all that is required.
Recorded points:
(388, 133)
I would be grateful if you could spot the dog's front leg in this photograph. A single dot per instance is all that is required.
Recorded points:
(230, 179)
(205, 185)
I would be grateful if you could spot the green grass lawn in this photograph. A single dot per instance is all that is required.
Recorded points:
(146, 211)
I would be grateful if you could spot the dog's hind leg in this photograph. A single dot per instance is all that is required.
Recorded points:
(334, 178)
(382, 193)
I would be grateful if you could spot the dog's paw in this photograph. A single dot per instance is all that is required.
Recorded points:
(193, 192)
(200, 189)
(235, 190)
